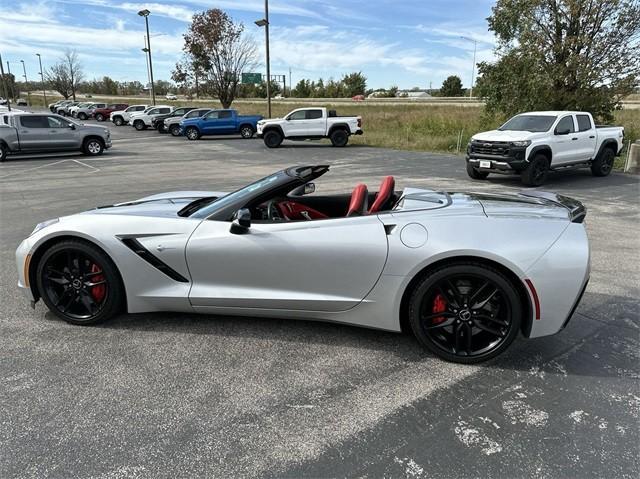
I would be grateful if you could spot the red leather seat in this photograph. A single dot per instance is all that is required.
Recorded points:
(359, 200)
(384, 195)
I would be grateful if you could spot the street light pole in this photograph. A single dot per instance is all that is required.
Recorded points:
(265, 23)
(44, 93)
(26, 83)
(145, 13)
(4, 84)
(473, 68)
(146, 57)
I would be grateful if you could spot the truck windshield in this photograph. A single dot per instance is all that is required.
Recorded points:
(533, 123)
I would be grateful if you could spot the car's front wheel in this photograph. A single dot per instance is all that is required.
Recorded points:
(93, 147)
(465, 312)
(536, 173)
(192, 133)
(272, 139)
(118, 121)
(82, 116)
(175, 130)
(475, 174)
(3, 153)
(246, 132)
(139, 125)
(99, 117)
(79, 283)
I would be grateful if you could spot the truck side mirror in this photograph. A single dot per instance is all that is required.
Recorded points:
(564, 131)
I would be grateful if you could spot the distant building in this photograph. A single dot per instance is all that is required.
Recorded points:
(413, 94)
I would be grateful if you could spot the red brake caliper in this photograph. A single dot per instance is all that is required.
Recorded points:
(439, 306)
(99, 290)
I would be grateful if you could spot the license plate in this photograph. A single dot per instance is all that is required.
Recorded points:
(485, 164)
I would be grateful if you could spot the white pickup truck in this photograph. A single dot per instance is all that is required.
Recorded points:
(122, 117)
(534, 143)
(309, 124)
(144, 119)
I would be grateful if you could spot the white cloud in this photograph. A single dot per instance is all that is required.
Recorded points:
(180, 13)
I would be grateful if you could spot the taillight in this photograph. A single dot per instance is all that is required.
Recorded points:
(359, 122)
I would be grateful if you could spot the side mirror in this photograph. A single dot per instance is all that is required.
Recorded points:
(564, 131)
(72, 126)
(242, 222)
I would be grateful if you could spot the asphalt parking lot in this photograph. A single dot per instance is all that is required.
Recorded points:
(175, 395)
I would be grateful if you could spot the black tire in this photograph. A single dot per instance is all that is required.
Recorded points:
(192, 133)
(537, 171)
(118, 121)
(273, 139)
(478, 333)
(99, 117)
(139, 125)
(82, 116)
(339, 138)
(93, 147)
(475, 174)
(66, 278)
(174, 130)
(247, 131)
(3, 153)
(603, 164)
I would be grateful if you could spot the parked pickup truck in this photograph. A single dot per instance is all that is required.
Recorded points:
(122, 117)
(156, 121)
(142, 120)
(220, 122)
(101, 114)
(29, 133)
(172, 124)
(310, 124)
(534, 143)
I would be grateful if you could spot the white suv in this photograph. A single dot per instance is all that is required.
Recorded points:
(140, 121)
(122, 117)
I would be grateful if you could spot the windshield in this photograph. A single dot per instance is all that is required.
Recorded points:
(533, 123)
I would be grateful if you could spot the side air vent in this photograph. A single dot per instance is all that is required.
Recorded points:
(135, 246)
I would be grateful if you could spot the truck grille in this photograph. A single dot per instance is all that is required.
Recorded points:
(495, 148)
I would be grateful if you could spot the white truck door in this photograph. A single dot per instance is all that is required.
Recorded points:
(563, 143)
(587, 138)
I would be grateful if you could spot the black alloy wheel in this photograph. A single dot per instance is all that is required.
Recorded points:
(79, 283)
(272, 139)
(139, 125)
(537, 171)
(175, 130)
(339, 138)
(603, 164)
(475, 174)
(465, 312)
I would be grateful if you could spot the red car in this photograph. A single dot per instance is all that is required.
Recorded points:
(102, 114)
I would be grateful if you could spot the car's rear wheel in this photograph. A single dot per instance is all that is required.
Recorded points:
(175, 130)
(192, 133)
(536, 172)
(465, 312)
(79, 283)
(603, 164)
(99, 117)
(273, 139)
(246, 132)
(118, 121)
(93, 147)
(475, 174)
(3, 153)
(339, 137)
(82, 116)
(139, 125)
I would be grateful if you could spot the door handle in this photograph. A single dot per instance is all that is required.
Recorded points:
(573, 139)
(592, 136)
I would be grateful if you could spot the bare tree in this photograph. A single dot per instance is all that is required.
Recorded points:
(217, 47)
(74, 70)
(58, 77)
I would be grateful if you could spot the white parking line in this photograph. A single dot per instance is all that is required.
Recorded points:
(21, 172)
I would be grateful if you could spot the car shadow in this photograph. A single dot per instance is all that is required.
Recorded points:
(594, 330)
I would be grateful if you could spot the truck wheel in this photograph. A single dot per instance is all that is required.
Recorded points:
(536, 172)
(246, 132)
(82, 116)
(273, 139)
(99, 117)
(175, 130)
(475, 174)
(139, 125)
(339, 138)
(192, 133)
(3, 153)
(118, 121)
(603, 164)
(92, 147)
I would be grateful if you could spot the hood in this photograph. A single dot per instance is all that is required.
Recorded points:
(506, 135)
(269, 120)
(159, 205)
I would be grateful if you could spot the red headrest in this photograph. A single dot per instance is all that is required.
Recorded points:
(386, 190)
(359, 200)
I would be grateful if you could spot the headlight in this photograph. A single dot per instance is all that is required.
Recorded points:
(44, 224)
(521, 143)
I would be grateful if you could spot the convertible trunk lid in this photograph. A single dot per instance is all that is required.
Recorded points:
(536, 204)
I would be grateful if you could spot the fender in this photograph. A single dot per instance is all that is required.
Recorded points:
(609, 143)
(271, 128)
(341, 126)
(540, 149)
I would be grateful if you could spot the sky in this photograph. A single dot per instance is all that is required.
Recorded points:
(404, 43)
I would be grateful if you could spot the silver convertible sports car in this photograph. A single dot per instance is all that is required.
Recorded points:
(464, 272)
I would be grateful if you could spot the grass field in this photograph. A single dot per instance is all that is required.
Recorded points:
(422, 127)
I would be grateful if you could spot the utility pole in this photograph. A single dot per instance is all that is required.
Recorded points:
(290, 84)
(44, 93)
(10, 87)
(4, 83)
(264, 22)
(473, 67)
(145, 13)
(26, 83)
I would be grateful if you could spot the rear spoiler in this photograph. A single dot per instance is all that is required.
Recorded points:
(577, 211)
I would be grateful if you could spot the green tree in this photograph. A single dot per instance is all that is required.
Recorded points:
(452, 86)
(562, 55)
(216, 46)
(354, 84)
(302, 89)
